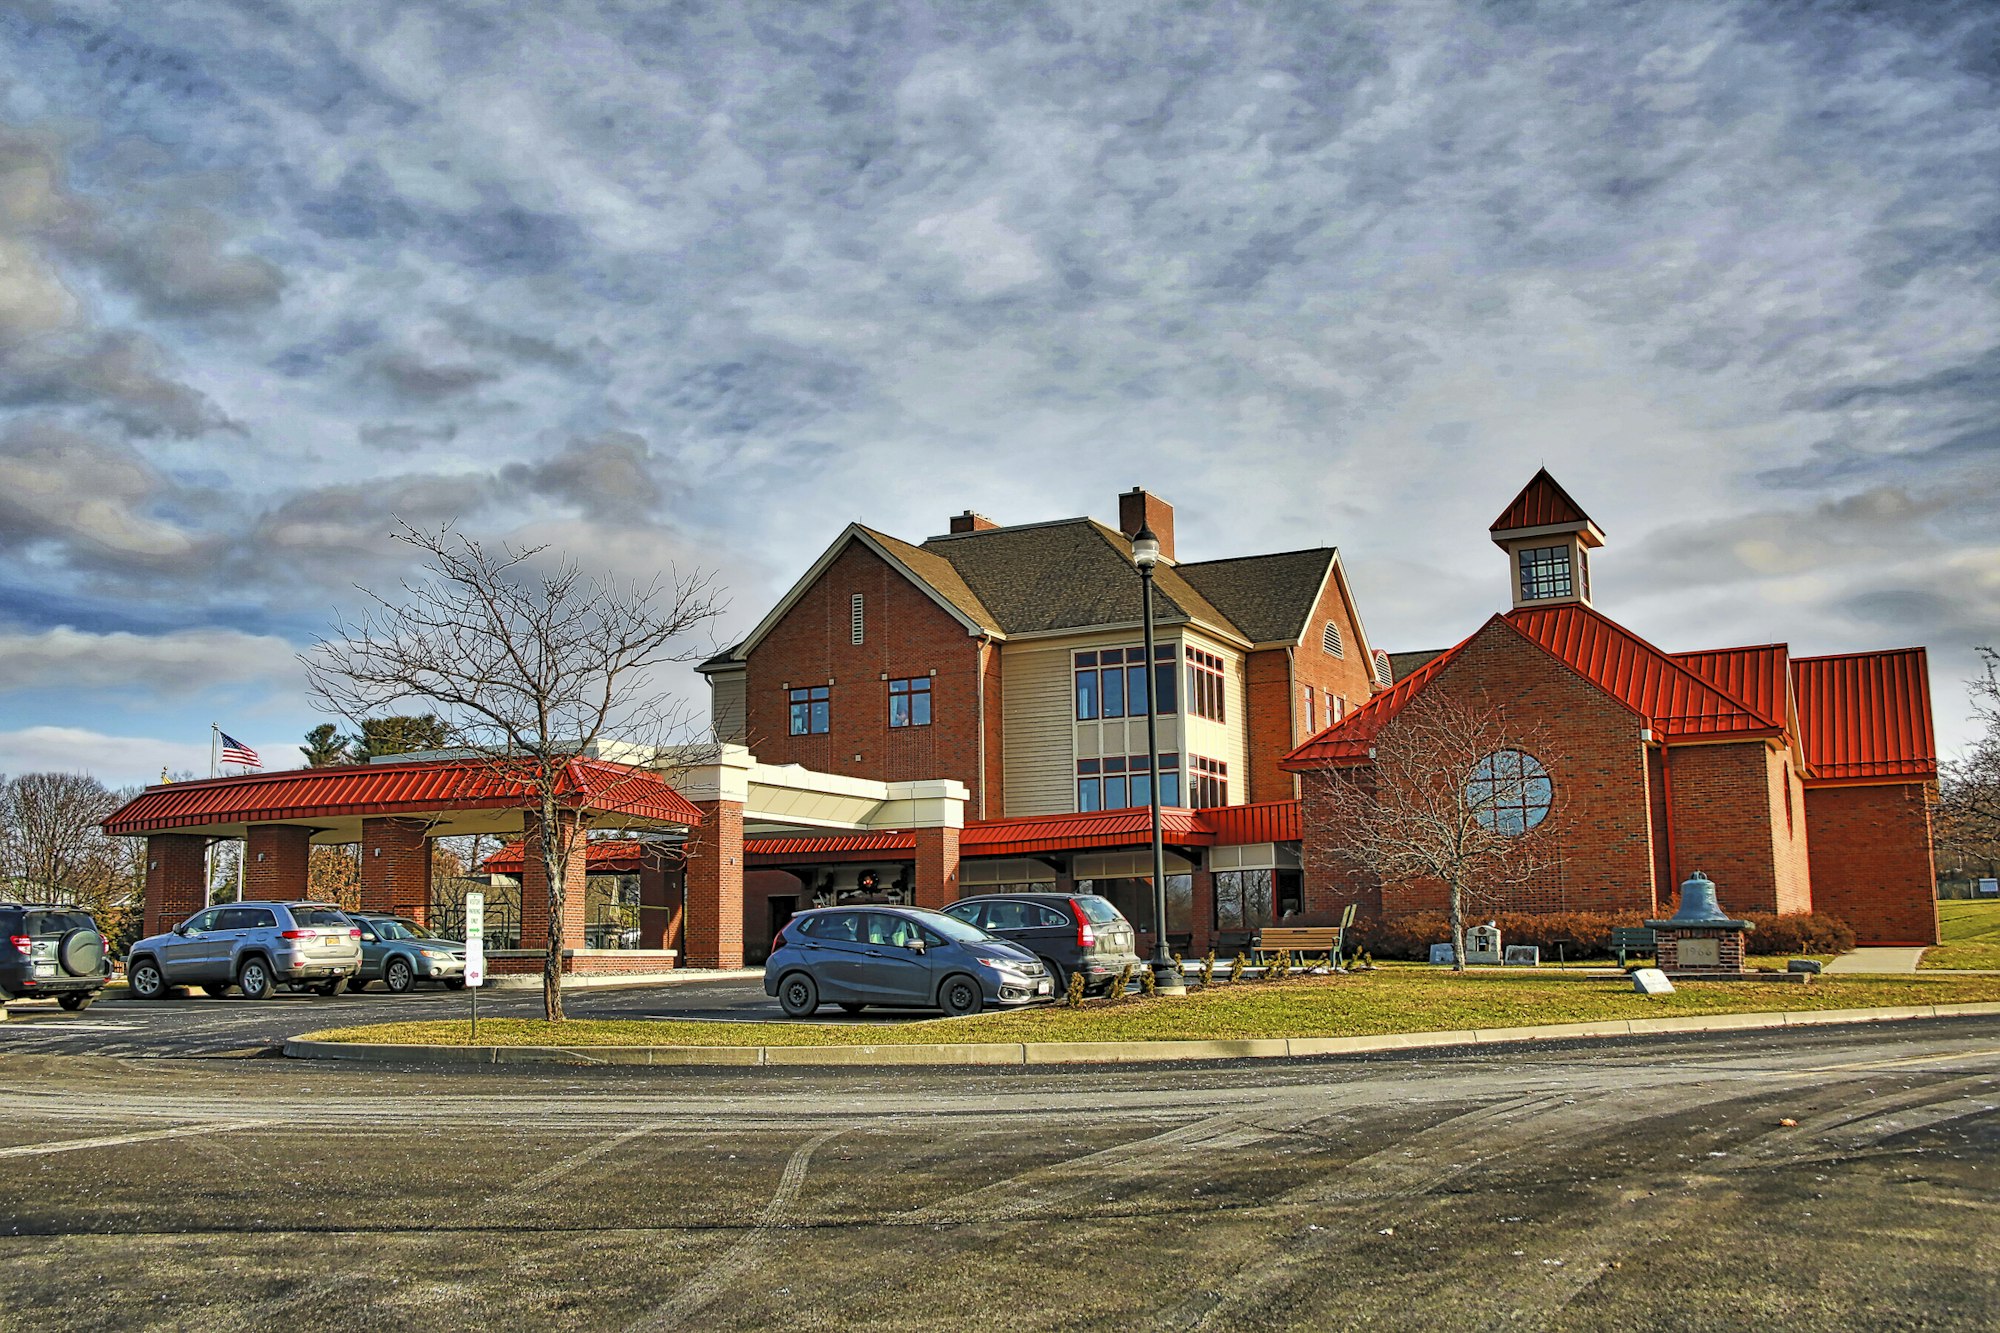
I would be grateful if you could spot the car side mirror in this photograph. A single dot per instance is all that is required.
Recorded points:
(917, 946)
(182, 930)
(368, 936)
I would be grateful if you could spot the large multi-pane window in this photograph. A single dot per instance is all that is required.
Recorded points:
(1544, 573)
(1510, 791)
(1113, 682)
(910, 702)
(1208, 782)
(1120, 782)
(1204, 685)
(1253, 899)
(1133, 897)
(812, 710)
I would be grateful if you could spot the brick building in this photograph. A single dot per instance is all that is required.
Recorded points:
(1796, 783)
(1009, 660)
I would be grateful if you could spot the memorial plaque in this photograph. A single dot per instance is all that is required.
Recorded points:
(1482, 945)
(1651, 981)
(1441, 955)
(1524, 955)
(1700, 953)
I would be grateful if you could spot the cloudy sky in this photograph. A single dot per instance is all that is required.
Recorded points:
(698, 284)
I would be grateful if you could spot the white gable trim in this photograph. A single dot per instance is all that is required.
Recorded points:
(853, 532)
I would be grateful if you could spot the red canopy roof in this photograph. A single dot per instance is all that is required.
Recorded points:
(601, 855)
(304, 794)
(1866, 716)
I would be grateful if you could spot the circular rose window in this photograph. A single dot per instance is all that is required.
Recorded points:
(1509, 791)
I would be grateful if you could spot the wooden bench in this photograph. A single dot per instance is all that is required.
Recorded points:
(1631, 939)
(1325, 941)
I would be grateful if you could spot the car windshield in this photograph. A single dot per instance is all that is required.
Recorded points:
(952, 928)
(1100, 911)
(395, 930)
(963, 911)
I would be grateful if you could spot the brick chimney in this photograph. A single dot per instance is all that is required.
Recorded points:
(971, 522)
(1138, 508)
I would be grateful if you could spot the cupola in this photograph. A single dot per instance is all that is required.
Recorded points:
(1548, 539)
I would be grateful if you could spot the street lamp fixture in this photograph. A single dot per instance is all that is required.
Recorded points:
(1167, 979)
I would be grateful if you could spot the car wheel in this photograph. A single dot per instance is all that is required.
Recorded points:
(328, 988)
(216, 991)
(254, 979)
(145, 980)
(356, 984)
(76, 1001)
(960, 996)
(799, 994)
(851, 1007)
(1058, 978)
(457, 983)
(398, 977)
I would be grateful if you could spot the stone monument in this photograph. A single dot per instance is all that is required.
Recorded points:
(1700, 940)
(1482, 944)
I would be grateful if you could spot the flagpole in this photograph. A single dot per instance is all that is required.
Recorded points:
(214, 739)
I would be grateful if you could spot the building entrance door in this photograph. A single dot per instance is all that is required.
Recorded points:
(783, 908)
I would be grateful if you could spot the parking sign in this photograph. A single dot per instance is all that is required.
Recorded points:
(475, 939)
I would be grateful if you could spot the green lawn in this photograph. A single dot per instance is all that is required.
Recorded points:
(1971, 934)
(1361, 1005)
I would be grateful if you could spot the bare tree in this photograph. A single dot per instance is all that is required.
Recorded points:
(525, 670)
(1968, 824)
(57, 850)
(1451, 795)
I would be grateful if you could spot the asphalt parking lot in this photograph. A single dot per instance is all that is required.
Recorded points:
(1592, 1185)
(198, 1026)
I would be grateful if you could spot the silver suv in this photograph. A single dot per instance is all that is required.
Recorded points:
(254, 946)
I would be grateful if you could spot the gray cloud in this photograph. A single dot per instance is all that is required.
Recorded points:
(609, 474)
(181, 662)
(93, 498)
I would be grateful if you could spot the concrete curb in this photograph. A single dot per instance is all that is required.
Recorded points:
(1013, 1053)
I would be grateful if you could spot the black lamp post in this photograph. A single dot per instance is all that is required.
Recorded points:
(1167, 978)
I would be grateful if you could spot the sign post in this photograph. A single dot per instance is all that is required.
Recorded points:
(475, 954)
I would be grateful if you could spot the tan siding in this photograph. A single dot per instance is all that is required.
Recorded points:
(727, 704)
(1227, 740)
(1037, 729)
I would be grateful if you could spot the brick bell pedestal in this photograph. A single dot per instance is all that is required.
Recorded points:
(1700, 941)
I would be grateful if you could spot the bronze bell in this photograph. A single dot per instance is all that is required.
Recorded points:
(1698, 900)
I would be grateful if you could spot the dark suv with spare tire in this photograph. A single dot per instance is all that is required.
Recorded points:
(51, 951)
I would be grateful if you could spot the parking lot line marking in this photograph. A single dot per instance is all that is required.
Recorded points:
(115, 1140)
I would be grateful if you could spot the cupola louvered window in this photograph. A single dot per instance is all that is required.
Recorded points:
(1329, 639)
(859, 623)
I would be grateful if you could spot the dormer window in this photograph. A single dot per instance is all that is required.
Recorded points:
(1545, 573)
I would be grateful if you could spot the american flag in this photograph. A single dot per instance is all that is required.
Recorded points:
(236, 752)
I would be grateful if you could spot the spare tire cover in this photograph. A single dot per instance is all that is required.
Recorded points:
(81, 953)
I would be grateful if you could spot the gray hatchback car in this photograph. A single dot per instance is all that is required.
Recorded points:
(254, 946)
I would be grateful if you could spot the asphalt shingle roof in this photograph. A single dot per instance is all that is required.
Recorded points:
(1267, 597)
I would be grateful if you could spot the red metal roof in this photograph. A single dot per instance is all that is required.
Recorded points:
(1866, 715)
(1757, 675)
(1541, 503)
(305, 794)
(1268, 821)
(601, 855)
(1676, 703)
(1349, 740)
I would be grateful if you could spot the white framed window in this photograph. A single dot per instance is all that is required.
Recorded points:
(1329, 639)
(1510, 791)
(859, 618)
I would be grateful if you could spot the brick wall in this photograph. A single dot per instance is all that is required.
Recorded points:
(176, 879)
(714, 919)
(396, 867)
(993, 792)
(1597, 840)
(1722, 815)
(937, 867)
(1271, 704)
(906, 634)
(1871, 860)
(277, 857)
(535, 885)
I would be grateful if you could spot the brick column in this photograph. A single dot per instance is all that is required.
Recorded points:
(1204, 911)
(176, 879)
(937, 867)
(396, 868)
(535, 884)
(715, 886)
(660, 895)
(277, 861)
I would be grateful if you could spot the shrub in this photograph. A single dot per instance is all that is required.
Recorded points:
(1798, 932)
(1587, 934)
